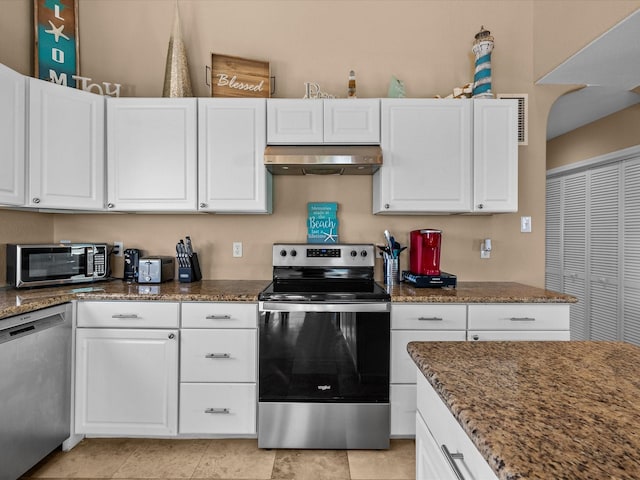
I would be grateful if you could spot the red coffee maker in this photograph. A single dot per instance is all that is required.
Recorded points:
(424, 251)
(424, 261)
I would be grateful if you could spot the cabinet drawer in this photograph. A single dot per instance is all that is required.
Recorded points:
(447, 431)
(403, 369)
(218, 356)
(428, 317)
(218, 408)
(128, 314)
(530, 335)
(519, 317)
(403, 410)
(219, 315)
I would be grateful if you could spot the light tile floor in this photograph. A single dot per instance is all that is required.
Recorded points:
(222, 459)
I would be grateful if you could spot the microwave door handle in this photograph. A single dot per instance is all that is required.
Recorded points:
(88, 261)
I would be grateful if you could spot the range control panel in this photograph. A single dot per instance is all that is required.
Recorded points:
(336, 255)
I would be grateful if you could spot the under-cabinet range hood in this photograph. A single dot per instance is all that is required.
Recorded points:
(323, 159)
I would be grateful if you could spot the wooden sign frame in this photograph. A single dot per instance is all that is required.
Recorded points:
(239, 77)
(57, 44)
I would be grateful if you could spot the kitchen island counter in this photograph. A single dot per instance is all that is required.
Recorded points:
(16, 302)
(542, 410)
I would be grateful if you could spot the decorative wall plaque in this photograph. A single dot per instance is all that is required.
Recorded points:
(57, 55)
(322, 222)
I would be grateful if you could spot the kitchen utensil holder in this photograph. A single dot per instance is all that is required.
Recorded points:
(191, 273)
(391, 271)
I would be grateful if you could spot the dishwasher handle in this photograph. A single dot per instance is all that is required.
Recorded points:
(30, 326)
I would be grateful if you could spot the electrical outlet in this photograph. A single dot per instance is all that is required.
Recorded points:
(237, 249)
(118, 249)
(525, 224)
(485, 254)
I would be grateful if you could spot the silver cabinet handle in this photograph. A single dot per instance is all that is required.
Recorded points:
(431, 319)
(125, 315)
(522, 319)
(172, 336)
(110, 205)
(451, 458)
(475, 337)
(36, 200)
(203, 205)
(387, 206)
(217, 410)
(217, 355)
(218, 317)
(480, 206)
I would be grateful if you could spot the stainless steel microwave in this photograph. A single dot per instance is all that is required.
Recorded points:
(39, 265)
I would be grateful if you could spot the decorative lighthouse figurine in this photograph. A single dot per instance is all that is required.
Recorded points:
(482, 48)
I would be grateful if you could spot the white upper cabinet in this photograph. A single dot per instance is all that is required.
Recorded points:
(231, 142)
(495, 155)
(66, 147)
(12, 136)
(323, 121)
(152, 154)
(426, 148)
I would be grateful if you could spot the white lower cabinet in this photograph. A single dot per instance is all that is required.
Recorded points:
(218, 408)
(422, 323)
(127, 368)
(438, 436)
(218, 368)
(126, 381)
(533, 322)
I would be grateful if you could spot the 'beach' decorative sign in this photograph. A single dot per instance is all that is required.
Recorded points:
(56, 41)
(322, 222)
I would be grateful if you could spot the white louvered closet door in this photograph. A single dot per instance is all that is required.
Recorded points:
(604, 251)
(553, 239)
(574, 250)
(631, 252)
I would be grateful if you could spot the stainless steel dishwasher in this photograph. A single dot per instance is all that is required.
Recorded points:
(35, 387)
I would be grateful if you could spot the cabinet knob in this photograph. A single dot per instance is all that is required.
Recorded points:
(36, 200)
(480, 206)
(476, 337)
(110, 205)
(387, 206)
(172, 336)
(203, 205)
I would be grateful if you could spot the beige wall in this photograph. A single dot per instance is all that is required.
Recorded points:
(614, 132)
(424, 43)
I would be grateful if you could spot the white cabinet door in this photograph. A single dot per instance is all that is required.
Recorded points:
(402, 398)
(295, 121)
(352, 121)
(426, 145)
(13, 104)
(126, 382)
(152, 154)
(231, 143)
(66, 147)
(430, 464)
(495, 155)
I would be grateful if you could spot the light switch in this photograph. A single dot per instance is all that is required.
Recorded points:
(525, 224)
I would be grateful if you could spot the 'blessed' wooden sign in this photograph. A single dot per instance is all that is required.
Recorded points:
(239, 77)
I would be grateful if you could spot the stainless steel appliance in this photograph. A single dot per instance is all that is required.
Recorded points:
(54, 264)
(323, 159)
(35, 391)
(155, 269)
(324, 350)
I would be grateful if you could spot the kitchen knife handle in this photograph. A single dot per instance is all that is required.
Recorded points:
(217, 355)
(218, 317)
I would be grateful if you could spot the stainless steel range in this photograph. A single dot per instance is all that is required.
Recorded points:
(324, 350)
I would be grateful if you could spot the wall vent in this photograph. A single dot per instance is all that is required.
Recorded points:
(523, 115)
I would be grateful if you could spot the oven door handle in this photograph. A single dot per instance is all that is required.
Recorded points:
(324, 307)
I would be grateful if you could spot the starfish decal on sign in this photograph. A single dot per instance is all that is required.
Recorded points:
(330, 237)
(57, 32)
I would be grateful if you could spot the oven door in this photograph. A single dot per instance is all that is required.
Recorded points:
(324, 375)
